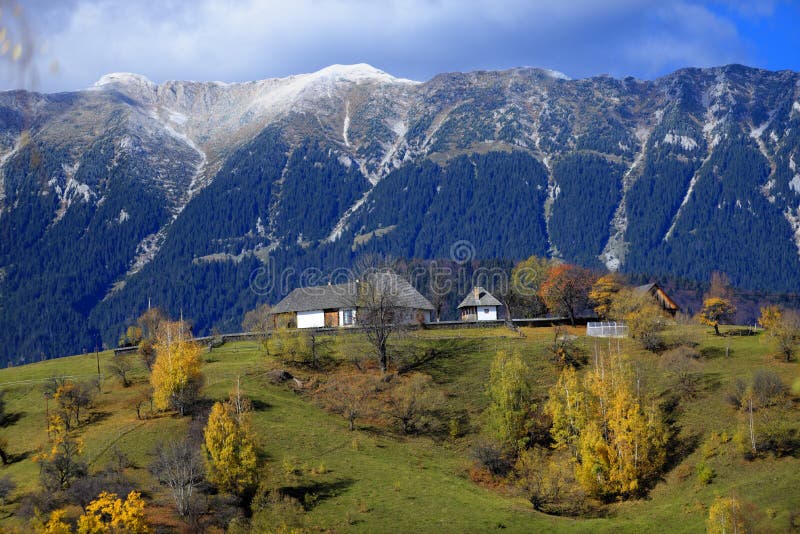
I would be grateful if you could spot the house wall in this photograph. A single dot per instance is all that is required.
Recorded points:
(487, 313)
(311, 319)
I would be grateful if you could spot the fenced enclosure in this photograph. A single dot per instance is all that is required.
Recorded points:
(606, 329)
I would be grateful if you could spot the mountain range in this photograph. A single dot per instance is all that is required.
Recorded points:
(177, 194)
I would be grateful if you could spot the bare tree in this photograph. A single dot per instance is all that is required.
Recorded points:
(440, 286)
(413, 403)
(379, 314)
(350, 395)
(121, 366)
(147, 353)
(179, 466)
(260, 321)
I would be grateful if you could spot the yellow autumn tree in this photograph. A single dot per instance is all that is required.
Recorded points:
(618, 443)
(510, 393)
(55, 523)
(176, 377)
(60, 464)
(645, 319)
(625, 443)
(229, 445)
(716, 311)
(108, 514)
(783, 327)
(604, 291)
(725, 516)
(566, 407)
(770, 316)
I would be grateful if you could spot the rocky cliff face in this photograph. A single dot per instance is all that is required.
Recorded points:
(178, 191)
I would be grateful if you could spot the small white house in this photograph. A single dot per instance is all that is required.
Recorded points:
(479, 305)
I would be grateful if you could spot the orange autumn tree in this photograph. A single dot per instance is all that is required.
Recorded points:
(565, 291)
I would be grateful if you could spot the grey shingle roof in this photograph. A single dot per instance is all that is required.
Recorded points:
(318, 298)
(644, 289)
(479, 297)
(346, 295)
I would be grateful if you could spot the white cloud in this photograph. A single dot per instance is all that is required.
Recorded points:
(253, 39)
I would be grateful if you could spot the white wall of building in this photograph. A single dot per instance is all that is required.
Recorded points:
(311, 319)
(486, 313)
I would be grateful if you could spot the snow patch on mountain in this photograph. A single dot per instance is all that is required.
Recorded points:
(340, 225)
(684, 141)
(146, 250)
(346, 123)
(757, 132)
(123, 216)
(793, 217)
(390, 161)
(613, 255)
(689, 191)
(197, 182)
(794, 183)
(766, 190)
(18, 144)
(71, 191)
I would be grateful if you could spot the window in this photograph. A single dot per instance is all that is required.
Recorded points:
(486, 310)
(347, 317)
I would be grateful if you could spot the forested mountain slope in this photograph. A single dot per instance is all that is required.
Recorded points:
(178, 193)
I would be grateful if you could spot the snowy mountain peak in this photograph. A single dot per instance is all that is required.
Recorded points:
(355, 73)
(558, 75)
(124, 78)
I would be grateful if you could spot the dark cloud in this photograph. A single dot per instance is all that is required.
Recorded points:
(254, 39)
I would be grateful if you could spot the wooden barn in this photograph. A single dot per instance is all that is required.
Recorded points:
(664, 300)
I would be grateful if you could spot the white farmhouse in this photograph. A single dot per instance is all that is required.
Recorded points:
(339, 305)
(479, 305)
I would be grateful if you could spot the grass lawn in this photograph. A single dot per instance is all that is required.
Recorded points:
(375, 481)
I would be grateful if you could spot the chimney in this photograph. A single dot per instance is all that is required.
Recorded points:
(476, 292)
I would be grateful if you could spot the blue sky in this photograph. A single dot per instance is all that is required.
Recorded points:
(68, 44)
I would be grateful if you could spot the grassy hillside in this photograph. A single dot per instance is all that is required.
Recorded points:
(376, 481)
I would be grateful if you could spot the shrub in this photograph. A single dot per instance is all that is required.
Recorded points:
(737, 393)
(681, 363)
(705, 474)
(768, 388)
(7, 487)
(492, 457)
